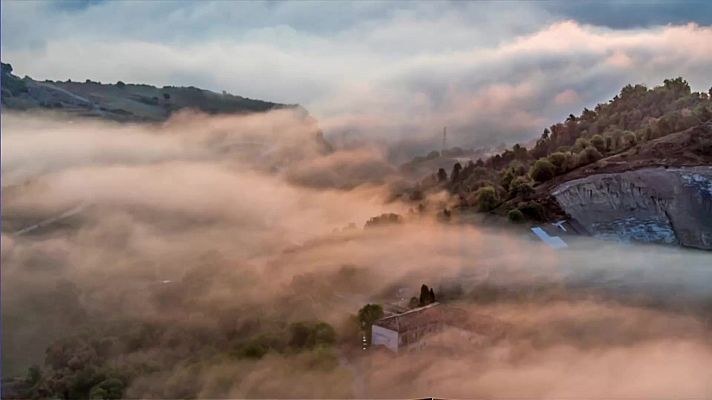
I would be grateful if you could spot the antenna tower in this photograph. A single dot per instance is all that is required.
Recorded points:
(444, 139)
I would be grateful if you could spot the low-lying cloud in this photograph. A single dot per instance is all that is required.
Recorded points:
(187, 246)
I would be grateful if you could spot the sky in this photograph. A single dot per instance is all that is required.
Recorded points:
(396, 72)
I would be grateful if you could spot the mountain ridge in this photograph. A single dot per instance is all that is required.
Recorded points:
(121, 101)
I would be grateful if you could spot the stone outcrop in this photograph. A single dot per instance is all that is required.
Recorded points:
(656, 205)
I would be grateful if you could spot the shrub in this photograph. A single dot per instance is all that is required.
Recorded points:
(542, 170)
(486, 198)
(532, 210)
(588, 155)
(598, 142)
(515, 169)
(307, 335)
(520, 186)
(442, 175)
(254, 351)
(629, 138)
(558, 159)
(367, 315)
(433, 155)
(455, 174)
(383, 220)
(515, 216)
(581, 143)
(111, 388)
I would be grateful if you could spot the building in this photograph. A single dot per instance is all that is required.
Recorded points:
(406, 330)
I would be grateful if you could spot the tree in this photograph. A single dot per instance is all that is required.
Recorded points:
(581, 143)
(442, 175)
(369, 314)
(516, 216)
(455, 175)
(629, 138)
(427, 296)
(599, 143)
(254, 350)
(514, 170)
(424, 295)
(542, 170)
(588, 155)
(558, 159)
(532, 210)
(520, 152)
(702, 112)
(34, 375)
(414, 302)
(486, 198)
(588, 115)
(307, 335)
(520, 186)
(107, 389)
(678, 86)
(120, 84)
(384, 220)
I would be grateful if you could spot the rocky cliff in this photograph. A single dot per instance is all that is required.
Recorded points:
(656, 205)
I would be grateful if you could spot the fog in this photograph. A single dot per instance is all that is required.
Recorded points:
(202, 231)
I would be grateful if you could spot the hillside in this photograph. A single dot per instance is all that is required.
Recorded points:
(120, 101)
(668, 126)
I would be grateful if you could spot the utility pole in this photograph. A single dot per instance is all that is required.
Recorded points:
(444, 140)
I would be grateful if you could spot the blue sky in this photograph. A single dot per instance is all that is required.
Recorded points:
(492, 71)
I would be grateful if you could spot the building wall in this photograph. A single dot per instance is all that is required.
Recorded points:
(384, 337)
(412, 339)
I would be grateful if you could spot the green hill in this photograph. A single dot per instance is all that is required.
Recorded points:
(120, 101)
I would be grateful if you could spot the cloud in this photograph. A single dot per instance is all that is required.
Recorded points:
(183, 253)
(567, 97)
(387, 72)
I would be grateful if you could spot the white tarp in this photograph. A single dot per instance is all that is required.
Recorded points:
(554, 242)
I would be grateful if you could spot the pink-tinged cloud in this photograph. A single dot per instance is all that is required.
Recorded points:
(568, 97)
(503, 90)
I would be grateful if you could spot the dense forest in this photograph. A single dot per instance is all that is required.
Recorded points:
(506, 181)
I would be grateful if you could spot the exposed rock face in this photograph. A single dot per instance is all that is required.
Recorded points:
(656, 205)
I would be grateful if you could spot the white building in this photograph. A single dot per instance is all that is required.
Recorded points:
(405, 331)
